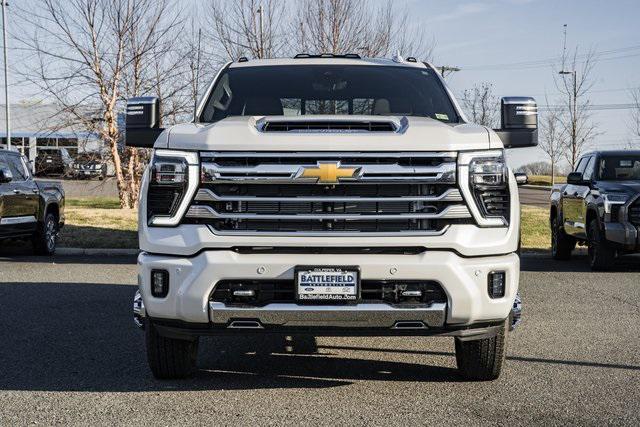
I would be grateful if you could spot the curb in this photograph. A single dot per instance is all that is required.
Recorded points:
(537, 187)
(96, 251)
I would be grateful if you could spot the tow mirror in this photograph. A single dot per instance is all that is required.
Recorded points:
(574, 178)
(521, 178)
(519, 122)
(142, 125)
(5, 175)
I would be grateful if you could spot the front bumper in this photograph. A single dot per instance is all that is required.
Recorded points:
(464, 280)
(624, 234)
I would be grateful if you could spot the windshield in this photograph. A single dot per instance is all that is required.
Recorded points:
(620, 168)
(329, 89)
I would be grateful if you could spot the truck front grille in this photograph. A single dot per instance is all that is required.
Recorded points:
(283, 291)
(388, 193)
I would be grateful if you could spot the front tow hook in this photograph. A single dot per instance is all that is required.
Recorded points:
(139, 313)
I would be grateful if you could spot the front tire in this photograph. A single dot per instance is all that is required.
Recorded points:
(481, 360)
(601, 254)
(170, 358)
(45, 239)
(561, 243)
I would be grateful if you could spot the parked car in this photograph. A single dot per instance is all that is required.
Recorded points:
(89, 165)
(29, 210)
(53, 161)
(598, 207)
(329, 195)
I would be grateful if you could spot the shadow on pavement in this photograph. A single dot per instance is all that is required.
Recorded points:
(26, 257)
(516, 358)
(81, 337)
(577, 263)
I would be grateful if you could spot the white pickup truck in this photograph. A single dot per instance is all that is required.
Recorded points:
(328, 195)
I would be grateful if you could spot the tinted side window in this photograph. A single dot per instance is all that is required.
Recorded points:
(26, 167)
(588, 171)
(582, 164)
(3, 161)
(17, 168)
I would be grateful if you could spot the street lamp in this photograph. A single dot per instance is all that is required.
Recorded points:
(5, 3)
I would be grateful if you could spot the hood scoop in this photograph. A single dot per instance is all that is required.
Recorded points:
(332, 124)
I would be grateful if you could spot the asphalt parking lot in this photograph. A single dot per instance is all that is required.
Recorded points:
(70, 353)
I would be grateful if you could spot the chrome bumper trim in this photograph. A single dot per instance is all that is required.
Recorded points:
(412, 233)
(348, 316)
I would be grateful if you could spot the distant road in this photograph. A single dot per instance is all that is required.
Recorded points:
(534, 197)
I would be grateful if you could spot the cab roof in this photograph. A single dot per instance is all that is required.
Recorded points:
(613, 153)
(328, 60)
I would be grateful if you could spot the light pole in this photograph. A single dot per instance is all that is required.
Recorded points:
(574, 113)
(6, 71)
(261, 40)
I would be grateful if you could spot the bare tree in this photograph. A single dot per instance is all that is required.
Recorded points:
(481, 105)
(357, 26)
(88, 55)
(536, 168)
(552, 140)
(249, 28)
(574, 80)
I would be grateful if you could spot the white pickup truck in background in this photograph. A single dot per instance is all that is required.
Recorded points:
(329, 195)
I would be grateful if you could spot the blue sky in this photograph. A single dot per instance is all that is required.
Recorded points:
(479, 36)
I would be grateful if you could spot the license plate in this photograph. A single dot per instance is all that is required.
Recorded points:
(49, 161)
(87, 173)
(327, 283)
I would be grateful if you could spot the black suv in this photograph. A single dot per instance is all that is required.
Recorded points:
(53, 161)
(28, 209)
(89, 165)
(599, 206)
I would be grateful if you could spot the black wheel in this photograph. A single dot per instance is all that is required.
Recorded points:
(44, 241)
(170, 358)
(481, 360)
(601, 254)
(561, 243)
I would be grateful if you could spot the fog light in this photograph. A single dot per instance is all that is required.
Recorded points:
(496, 284)
(412, 293)
(159, 283)
(244, 293)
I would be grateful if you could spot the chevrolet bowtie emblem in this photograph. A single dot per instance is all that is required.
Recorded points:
(327, 172)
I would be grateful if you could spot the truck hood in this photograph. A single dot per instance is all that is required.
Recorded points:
(630, 187)
(243, 133)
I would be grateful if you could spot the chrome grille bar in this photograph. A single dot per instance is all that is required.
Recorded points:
(289, 173)
(207, 212)
(207, 195)
(329, 155)
(389, 193)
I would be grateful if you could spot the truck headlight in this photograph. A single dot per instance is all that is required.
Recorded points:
(612, 199)
(173, 180)
(484, 180)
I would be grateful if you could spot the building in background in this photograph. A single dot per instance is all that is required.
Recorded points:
(38, 125)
